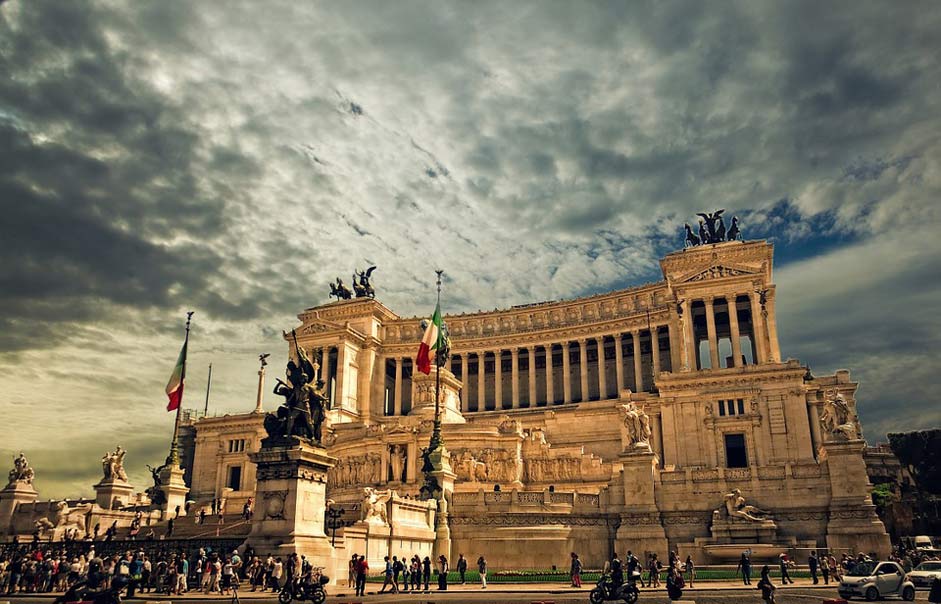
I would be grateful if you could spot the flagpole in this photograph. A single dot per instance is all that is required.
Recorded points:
(436, 432)
(208, 385)
(174, 458)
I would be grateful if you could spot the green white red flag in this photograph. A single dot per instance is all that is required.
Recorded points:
(175, 385)
(430, 342)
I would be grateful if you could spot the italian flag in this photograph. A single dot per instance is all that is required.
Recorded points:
(175, 385)
(429, 342)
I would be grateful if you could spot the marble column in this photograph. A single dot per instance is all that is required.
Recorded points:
(325, 371)
(656, 436)
(531, 372)
(655, 352)
(481, 381)
(550, 383)
(447, 364)
(397, 388)
(758, 328)
(566, 373)
(583, 366)
(602, 378)
(619, 361)
(465, 380)
(711, 333)
(498, 379)
(515, 373)
(690, 350)
(774, 350)
(735, 334)
(638, 363)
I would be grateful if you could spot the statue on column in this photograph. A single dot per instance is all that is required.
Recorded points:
(21, 471)
(838, 419)
(637, 423)
(112, 465)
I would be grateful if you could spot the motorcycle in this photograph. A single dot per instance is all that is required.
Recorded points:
(80, 593)
(312, 591)
(605, 590)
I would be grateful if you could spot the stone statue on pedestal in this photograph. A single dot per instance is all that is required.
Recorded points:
(637, 423)
(736, 509)
(112, 464)
(305, 403)
(838, 419)
(374, 506)
(21, 471)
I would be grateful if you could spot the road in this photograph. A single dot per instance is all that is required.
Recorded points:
(789, 595)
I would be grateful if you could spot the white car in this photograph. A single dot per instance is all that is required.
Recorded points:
(923, 574)
(874, 580)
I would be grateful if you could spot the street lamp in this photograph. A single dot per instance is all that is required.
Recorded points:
(334, 522)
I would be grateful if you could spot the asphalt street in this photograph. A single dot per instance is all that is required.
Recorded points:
(796, 595)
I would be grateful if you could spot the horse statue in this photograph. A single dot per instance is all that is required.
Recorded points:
(734, 232)
(712, 221)
(691, 239)
(361, 284)
(341, 291)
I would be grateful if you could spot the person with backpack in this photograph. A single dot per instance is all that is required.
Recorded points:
(396, 573)
(766, 586)
(576, 570)
(388, 577)
(462, 567)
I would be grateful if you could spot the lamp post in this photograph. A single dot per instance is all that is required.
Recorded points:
(333, 522)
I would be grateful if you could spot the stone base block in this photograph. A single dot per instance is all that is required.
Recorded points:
(641, 534)
(113, 494)
(740, 531)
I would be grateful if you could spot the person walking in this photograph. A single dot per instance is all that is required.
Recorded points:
(388, 576)
(443, 573)
(783, 563)
(825, 569)
(744, 565)
(397, 567)
(576, 570)
(482, 569)
(362, 569)
(766, 586)
(462, 567)
(426, 571)
(617, 571)
(690, 569)
(654, 568)
(352, 571)
(813, 563)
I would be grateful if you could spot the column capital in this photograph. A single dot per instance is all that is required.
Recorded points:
(566, 344)
(599, 339)
(582, 341)
(618, 336)
(709, 300)
(515, 352)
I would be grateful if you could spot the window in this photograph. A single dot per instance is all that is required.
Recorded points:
(731, 407)
(237, 445)
(235, 478)
(736, 456)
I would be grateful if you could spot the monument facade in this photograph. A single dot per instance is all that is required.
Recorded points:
(655, 417)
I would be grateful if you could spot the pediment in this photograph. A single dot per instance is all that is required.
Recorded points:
(717, 271)
(319, 325)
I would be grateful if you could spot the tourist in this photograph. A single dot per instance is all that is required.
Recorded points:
(462, 567)
(416, 573)
(362, 568)
(352, 571)
(406, 573)
(182, 572)
(766, 586)
(396, 572)
(227, 571)
(784, 562)
(632, 564)
(213, 505)
(135, 573)
(653, 567)
(443, 573)
(388, 576)
(482, 569)
(674, 583)
(617, 571)
(276, 574)
(247, 510)
(426, 571)
(690, 569)
(576, 570)
(834, 568)
(744, 565)
(813, 563)
(824, 569)
(202, 516)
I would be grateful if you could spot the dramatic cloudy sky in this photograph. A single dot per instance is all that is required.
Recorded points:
(233, 157)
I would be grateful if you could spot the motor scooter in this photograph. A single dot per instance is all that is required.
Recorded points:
(605, 590)
(312, 591)
(80, 593)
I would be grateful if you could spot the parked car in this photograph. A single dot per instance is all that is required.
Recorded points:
(874, 580)
(923, 574)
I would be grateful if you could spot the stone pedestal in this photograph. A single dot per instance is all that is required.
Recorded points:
(853, 522)
(441, 460)
(641, 529)
(728, 530)
(113, 493)
(291, 503)
(174, 490)
(423, 405)
(11, 497)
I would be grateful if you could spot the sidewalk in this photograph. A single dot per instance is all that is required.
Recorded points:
(372, 589)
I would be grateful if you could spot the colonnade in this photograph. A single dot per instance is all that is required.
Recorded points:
(698, 328)
(604, 361)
